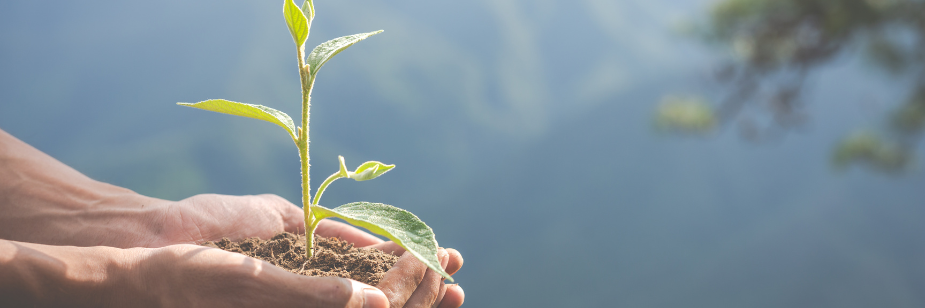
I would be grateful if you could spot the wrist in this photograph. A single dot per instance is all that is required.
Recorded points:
(121, 220)
(44, 201)
(59, 276)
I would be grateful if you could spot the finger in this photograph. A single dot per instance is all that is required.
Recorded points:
(440, 296)
(389, 248)
(216, 278)
(453, 298)
(292, 217)
(366, 296)
(402, 279)
(359, 238)
(336, 292)
(455, 261)
(428, 290)
(294, 220)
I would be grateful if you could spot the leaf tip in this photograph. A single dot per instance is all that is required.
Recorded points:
(343, 167)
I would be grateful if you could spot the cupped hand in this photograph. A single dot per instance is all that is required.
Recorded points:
(409, 283)
(196, 276)
(210, 217)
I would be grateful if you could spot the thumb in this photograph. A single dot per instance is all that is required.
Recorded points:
(340, 292)
(291, 215)
(367, 296)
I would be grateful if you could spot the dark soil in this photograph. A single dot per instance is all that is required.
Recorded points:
(333, 257)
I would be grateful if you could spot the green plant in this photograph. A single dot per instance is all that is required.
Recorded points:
(397, 224)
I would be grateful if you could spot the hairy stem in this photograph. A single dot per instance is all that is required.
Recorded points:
(310, 224)
(324, 185)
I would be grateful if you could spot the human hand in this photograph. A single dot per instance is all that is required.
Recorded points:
(36, 275)
(45, 201)
(196, 276)
(409, 283)
(191, 275)
(209, 217)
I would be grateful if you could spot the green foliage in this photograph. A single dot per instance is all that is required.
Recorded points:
(366, 171)
(910, 118)
(397, 224)
(297, 22)
(308, 8)
(685, 115)
(327, 50)
(258, 112)
(776, 44)
(865, 147)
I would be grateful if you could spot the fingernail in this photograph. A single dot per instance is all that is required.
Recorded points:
(374, 298)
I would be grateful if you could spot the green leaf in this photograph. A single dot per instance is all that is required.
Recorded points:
(308, 9)
(397, 224)
(366, 171)
(324, 52)
(298, 24)
(247, 110)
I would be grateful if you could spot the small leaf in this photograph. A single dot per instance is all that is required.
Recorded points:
(308, 9)
(324, 52)
(247, 110)
(366, 171)
(397, 224)
(370, 170)
(298, 24)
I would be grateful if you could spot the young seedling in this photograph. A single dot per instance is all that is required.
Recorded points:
(397, 224)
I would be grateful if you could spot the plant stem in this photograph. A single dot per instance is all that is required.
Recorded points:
(324, 185)
(310, 222)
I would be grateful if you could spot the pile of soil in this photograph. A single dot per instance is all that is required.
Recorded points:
(333, 257)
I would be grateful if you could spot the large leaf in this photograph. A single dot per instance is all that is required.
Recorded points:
(397, 224)
(247, 110)
(298, 24)
(324, 52)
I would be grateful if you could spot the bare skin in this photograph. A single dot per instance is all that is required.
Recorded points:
(67, 240)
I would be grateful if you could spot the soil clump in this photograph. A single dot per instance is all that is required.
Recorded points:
(333, 257)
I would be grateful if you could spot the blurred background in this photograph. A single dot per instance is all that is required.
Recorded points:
(588, 153)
